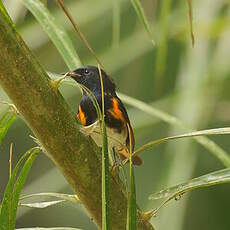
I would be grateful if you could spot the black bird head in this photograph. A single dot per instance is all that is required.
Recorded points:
(90, 78)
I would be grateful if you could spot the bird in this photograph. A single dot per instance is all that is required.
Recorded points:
(118, 127)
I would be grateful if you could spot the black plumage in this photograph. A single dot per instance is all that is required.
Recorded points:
(116, 116)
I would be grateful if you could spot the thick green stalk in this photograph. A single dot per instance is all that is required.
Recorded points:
(53, 123)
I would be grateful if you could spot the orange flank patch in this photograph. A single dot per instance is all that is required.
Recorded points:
(115, 111)
(81, 116)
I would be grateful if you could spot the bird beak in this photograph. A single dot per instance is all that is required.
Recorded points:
(71, 74)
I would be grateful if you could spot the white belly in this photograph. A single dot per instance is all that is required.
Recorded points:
(115, 139)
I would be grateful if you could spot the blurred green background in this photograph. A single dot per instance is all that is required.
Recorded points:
(192, 84)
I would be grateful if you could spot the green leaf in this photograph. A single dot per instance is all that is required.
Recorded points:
(190, 21)
(46, 203)
(55, 31)
(105, 181)
(207, 132)
(43, 204)
(211, 179)
(63, 196)
(6, 121)
(132, 208)
(141, 14)
(20, 183)
(105, 166)
(13, 190)
(6, 202)
(175, 192)
(5, 13)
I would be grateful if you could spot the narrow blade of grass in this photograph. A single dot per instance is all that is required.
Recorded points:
(190, 21)
(6, 201)
(211, 179)
(213, 148)
(55, 31)
(41, 205)
(20, 183)
(105, 165)
(105, 182)
(207, 132)
(6, 121)
(45, 199)
(141, 15)
(132, 209)
(66, 197)
(175, 192)
(12, 191)
(77, 29)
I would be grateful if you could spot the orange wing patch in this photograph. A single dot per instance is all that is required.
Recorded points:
(115, 110)
(81, 116)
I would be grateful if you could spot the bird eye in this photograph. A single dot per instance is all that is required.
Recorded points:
(86, 72)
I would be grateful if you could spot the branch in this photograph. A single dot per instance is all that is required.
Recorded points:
(54, 124)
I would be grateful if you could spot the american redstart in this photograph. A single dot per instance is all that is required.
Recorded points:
(116, 117)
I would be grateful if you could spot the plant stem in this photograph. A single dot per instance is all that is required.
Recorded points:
(52, 121)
